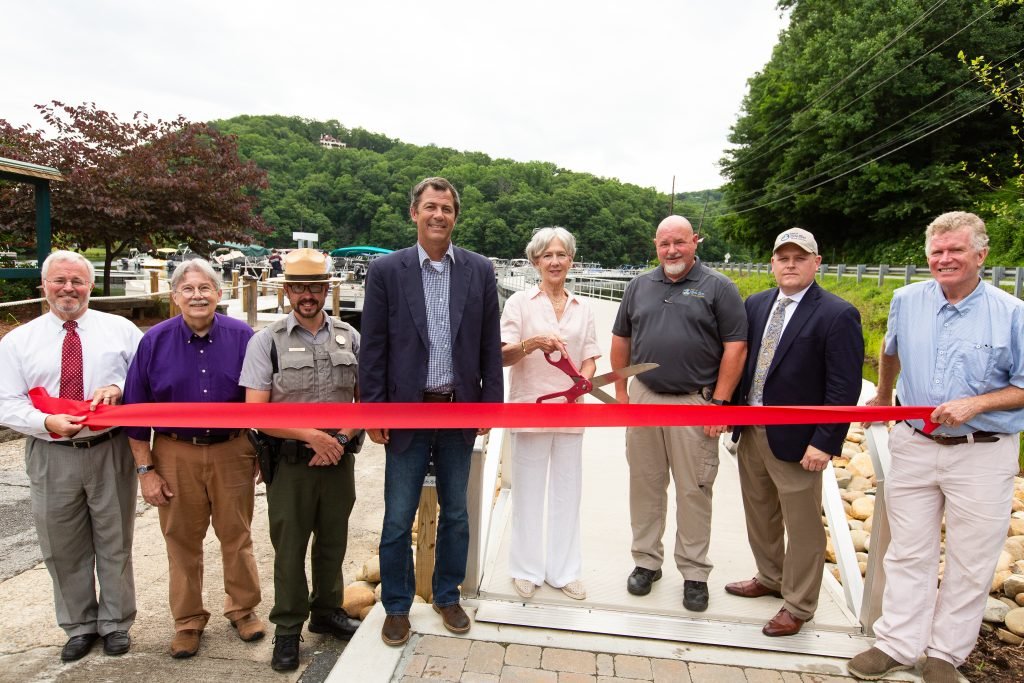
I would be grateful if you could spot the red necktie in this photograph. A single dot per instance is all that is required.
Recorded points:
(71, 376)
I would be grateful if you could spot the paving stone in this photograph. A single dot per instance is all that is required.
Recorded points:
(476, 677)
(519, 674)
(616, 679)
(443, 669)
(573, 661)
(440, 646)
(485, 658)
(569, 677)
(522, 656)
(717, 673)
(791, 677)
(824, 678)
(762, 676)
(605, 665)
(414, 667)
(629, 666)
(415, 679)
(670, 671)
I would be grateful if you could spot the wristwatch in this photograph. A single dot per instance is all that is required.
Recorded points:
(142, 469)
(719, 402)
(342, 439)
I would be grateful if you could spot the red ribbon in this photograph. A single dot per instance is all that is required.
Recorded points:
(461, 415)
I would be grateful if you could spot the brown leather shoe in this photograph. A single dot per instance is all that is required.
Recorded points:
(783, 624)
(939, 671)
(395, 630)
(751, 589)
(249, 627)
(455, 618)
(185, 643)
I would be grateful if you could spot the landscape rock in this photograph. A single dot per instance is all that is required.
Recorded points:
(1013, 585)
(1015, 621)
(356, 598)
(995, 611)
(1008, 638)
(843, 477)
(862, 508)
(370, 570)
(1016, 526)
(858, 483)
(998, 579)
(860, 464)
(860, 540)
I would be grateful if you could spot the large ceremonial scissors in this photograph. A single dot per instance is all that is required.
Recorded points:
(581, 385)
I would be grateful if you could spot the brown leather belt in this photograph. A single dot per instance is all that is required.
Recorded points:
(976, 437)
(90, 442)
(436, 397)
(203, 440)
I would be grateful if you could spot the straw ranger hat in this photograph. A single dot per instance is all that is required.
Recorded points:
(305, 266)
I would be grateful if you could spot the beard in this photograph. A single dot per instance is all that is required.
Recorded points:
(674, 269)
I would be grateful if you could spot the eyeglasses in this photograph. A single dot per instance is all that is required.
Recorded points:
(312, 289)
(189, 290)
(62, 282)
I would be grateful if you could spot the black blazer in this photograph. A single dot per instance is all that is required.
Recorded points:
(819, 361)
(394, 341)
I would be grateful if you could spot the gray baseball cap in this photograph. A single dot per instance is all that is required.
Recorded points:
(799, 237)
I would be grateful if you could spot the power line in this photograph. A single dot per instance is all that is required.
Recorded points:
(870, 161)
(771, 135)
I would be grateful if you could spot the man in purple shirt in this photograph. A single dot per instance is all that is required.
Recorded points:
(197, 475)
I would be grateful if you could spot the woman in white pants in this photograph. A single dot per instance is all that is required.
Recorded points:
(547, 463)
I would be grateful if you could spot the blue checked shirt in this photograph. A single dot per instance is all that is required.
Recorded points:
(949, 351)
(436, 287)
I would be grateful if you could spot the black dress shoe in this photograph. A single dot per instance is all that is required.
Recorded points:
(639, 582)
(78, 646)
(337, 623)
(286, 653)
(116, 643)
(695, 595)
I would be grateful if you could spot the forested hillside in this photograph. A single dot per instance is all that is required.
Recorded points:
(869, 120)
(359, 194)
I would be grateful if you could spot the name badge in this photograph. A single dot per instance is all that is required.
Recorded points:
(293, 349)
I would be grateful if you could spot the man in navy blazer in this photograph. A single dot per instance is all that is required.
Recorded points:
(430, 333)
(806, 348)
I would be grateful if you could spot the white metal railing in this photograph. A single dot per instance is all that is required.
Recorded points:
(1010, 278)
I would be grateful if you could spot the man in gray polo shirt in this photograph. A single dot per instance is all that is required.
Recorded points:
(691, 321)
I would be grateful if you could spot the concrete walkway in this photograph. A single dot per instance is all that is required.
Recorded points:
(513, 654)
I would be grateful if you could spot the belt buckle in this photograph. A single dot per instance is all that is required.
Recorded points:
(82, 443)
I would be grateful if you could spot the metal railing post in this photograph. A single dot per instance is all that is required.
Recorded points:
(874, 578)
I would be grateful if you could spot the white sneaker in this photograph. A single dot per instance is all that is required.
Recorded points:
(524, 588)
(575, 590)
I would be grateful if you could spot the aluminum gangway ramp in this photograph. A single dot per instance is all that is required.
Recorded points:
(606, 538)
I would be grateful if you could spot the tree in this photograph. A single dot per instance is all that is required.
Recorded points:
(857, 127)
(137, 182)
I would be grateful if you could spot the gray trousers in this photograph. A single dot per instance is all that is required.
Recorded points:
(83, 502)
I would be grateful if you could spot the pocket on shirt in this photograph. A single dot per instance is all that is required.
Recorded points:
(345, 370)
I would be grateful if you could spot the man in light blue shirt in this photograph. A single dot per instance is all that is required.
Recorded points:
(956, 343)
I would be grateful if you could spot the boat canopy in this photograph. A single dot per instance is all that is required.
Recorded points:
(249, 250)
(356, 251)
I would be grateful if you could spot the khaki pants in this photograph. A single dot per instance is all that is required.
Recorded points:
(691, 458)
(973, 485)
(209, 483)
(783, 499)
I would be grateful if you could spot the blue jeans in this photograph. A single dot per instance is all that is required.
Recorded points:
(403, 482)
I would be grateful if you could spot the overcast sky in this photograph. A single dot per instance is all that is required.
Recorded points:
(639, 91)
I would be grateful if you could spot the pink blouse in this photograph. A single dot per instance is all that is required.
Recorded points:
(529, 314)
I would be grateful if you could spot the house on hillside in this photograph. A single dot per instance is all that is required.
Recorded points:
(331, 142)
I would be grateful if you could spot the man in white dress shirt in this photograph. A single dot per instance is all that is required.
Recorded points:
(82, 482)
